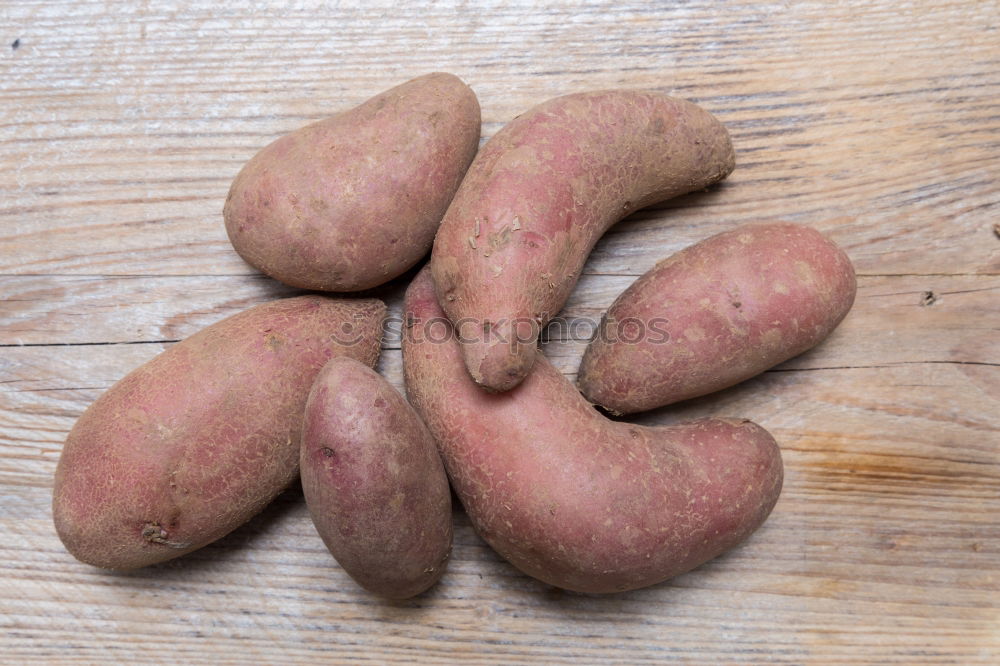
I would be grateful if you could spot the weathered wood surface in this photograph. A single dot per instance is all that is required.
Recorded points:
(122, 124)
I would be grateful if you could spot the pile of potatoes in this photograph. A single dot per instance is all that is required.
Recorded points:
(192, 444)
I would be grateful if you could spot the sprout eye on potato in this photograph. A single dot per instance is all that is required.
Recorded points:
(373, 481)
(537, 198)
(570, 497)
(190, 445)
(350, 202)
(728, 308)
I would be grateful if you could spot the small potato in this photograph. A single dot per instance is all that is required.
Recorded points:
(569, 496)
(350, 202)
(538, 197)
(374, 482)
(190, 445)
(715, 314)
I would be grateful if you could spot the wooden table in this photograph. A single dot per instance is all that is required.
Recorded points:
(122, 125)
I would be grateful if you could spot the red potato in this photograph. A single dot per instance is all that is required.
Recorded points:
(190, 445)
(537, 198)
(350, 202)
(570, 497)
(374, 483)
(717, 313)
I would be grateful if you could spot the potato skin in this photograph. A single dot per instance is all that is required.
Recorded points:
(724, 310)
(537, 198)
(193, 443)
(570, 497)
(374, 483)
(352, 201)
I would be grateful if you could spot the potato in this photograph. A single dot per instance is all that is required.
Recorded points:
(353, 201)
(374, 483)
(715, 314)
(570, 497)
(537, 198)
(193, 443)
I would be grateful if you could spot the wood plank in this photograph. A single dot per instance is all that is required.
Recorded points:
(895, 319)
(137, 171)
(850, 412)
(887, 520)
(919, 478)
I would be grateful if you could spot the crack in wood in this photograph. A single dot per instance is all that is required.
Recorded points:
(87, 344)
(886, 365)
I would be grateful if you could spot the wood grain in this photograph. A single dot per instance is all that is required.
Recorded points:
(122, 125)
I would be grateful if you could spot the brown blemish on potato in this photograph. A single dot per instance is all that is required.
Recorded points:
(154, 533)
(694, 334)
(772, 338)
(500, 239)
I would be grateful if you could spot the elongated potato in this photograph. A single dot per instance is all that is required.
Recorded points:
(190, 445)
(570, 497)
(537, 198)
(717, 313)
(353, 201)
(374, 483)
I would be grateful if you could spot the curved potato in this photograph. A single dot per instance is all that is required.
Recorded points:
(570, 497)
(190, 445)
(374, 483)
(537, 198)
(717, 313)
(350, 202)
